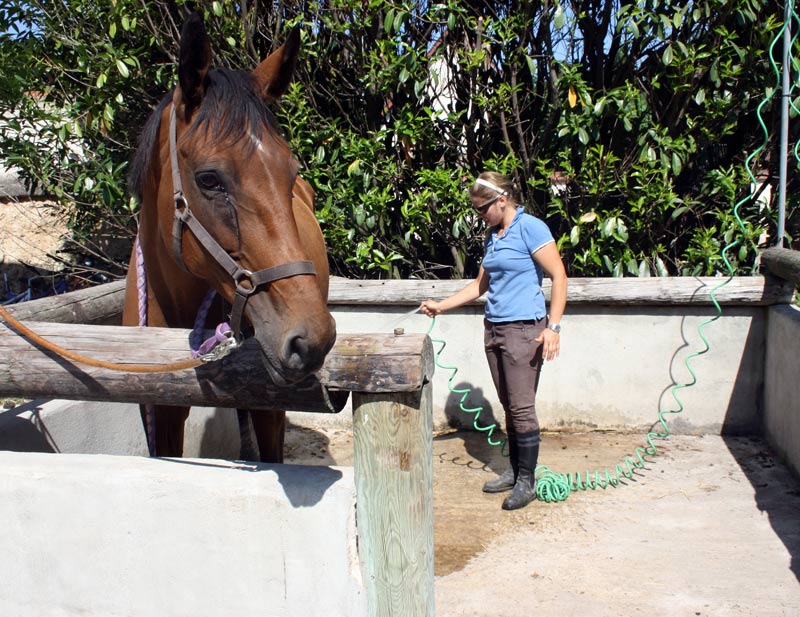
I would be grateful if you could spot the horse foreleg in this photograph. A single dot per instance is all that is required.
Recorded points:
(269, 427)
(248, 450)
(169, 425)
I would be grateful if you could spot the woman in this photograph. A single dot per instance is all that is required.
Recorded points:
(519, 335)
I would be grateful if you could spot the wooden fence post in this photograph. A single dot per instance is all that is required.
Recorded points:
(392, 435)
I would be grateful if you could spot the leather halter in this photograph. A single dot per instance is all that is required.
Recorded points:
(183, 215)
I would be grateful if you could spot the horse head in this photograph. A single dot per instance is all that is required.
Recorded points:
(230, 176)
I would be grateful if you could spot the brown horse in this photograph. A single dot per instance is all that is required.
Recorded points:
(222, 208)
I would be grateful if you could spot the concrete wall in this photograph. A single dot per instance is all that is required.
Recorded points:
(617, 368)
(78, 427)
(782, 383)
(132, 536)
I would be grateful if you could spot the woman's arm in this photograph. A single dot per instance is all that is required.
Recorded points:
(473, 290)
(549, 259)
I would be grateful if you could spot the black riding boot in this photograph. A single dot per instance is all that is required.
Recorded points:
(524, 488)
(505, 481)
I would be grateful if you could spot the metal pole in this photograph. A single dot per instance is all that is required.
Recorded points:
(784, 145)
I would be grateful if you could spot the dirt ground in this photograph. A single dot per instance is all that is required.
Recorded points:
(710, 527)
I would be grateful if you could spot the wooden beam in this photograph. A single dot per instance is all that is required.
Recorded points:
(784, 263)
(366, 363)
(663, 291)
(101, 304)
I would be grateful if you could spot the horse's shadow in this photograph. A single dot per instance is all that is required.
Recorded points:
(303, 485)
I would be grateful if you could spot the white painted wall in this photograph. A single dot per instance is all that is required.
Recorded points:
(131, 536)
(616, 370)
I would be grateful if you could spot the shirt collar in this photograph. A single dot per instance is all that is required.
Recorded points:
(517, 216)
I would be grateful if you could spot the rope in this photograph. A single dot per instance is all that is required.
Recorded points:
(76, 357)
(148, 409)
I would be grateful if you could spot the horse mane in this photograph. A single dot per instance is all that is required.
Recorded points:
(230, 109)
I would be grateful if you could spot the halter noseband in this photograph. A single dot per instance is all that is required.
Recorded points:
(183, 215)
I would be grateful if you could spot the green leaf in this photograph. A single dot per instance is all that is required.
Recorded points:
(666, 57)
(531, 65)
(122, 68)
(126, 23)
(700, 96)
(583, 136)
(575, 235)
(354, 168)
(559, 19)
(678, 211)
(622, 231)
(677, 166)
(388, 21)
(112, 30)
(743, 252)
(217, 8)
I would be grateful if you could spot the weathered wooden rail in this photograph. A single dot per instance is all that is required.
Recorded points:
(363, 363)
(103, 304)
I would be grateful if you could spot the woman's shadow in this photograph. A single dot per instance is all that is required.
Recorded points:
(469, 412)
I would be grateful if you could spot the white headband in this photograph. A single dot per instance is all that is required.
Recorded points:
(489, 185)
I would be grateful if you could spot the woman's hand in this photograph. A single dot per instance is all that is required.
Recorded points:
(551, 344)
(431, 308)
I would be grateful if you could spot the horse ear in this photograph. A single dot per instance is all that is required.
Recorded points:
(195, 60)
(274, 74)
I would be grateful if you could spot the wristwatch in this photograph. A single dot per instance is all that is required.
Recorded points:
(554, 327)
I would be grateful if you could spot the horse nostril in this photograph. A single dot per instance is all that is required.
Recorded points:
(296, 350)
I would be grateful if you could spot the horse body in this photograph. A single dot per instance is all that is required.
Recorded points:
(239, 179)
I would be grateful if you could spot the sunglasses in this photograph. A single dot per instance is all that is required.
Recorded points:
(484, 207)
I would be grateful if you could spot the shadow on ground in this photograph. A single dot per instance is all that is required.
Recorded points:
(776, 490)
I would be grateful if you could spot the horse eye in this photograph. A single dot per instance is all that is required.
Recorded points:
(209, 181)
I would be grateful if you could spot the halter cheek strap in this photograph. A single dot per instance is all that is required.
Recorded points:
(240, 276)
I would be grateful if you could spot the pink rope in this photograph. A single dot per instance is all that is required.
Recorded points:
(200, 321)
(141, 286)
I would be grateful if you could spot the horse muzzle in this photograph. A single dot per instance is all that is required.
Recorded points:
(298, 351)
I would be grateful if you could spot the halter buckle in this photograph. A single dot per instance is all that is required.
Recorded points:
(240, 275)
(181, 203)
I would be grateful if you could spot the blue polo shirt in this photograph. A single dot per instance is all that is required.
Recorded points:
(515, 279)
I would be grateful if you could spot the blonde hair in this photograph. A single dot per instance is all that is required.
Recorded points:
(497, 184)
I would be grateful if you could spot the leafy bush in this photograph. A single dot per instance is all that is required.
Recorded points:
(626, 125)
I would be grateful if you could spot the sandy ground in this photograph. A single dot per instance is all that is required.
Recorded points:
(710, 527)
